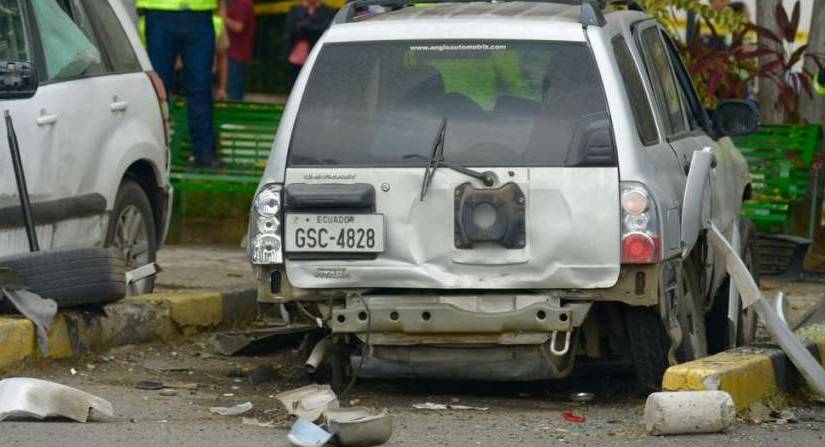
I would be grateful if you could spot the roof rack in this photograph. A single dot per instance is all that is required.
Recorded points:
(591, 10)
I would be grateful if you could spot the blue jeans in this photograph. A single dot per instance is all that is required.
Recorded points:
(191, 35)
(235, 82)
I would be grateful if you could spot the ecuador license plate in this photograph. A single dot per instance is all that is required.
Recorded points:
(329, 233)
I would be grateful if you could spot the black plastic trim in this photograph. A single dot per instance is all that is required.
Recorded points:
(53, 211)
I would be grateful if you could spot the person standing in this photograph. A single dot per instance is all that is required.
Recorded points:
(185, 28)
(305, 23)
(241, 25)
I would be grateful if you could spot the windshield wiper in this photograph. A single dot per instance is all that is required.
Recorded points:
(437, 160)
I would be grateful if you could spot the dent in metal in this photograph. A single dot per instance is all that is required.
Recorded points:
(40, 399)
(572, 235)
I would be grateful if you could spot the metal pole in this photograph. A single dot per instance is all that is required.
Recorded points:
(25, 205)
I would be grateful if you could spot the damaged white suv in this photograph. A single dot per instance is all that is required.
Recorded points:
(494, 190)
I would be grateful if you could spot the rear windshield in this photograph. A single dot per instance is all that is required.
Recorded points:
(381, 104)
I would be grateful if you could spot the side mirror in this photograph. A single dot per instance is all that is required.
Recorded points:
(18, 80)
(734, 118)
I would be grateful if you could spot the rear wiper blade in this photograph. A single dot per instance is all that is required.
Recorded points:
(437, 161)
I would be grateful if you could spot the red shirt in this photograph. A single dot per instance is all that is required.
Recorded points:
(242, 45)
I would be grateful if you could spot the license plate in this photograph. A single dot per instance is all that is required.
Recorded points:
(331, 233)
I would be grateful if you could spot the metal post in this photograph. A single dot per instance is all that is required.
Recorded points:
(22, 190)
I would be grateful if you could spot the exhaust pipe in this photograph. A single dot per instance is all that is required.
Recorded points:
(319, 352)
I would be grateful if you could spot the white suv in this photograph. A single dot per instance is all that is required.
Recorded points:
(92, 138)
(499, 189)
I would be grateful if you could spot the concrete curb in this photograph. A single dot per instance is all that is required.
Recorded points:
(135, 320)
(754, 373)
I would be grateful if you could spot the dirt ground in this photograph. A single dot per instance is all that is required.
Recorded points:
(518, 414)
(528, 414)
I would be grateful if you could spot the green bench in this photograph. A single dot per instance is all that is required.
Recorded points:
(244, 138)
(780, 158)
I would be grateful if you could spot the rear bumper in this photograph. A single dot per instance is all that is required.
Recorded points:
(405, 316)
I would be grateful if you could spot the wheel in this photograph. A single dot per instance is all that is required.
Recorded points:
(717, 317)
(72, 277)
(132, 231)
(649, 341)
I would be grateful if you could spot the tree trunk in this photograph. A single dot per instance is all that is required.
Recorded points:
(813, 108)
(770, 108)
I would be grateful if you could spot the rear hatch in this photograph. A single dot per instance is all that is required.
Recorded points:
(384, 184)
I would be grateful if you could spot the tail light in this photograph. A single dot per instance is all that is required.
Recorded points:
(265, 243)
(641, 233)
(163, 101)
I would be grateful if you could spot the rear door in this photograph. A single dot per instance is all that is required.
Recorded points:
(530, 115)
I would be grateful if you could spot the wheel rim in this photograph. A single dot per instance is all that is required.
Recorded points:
(131, 237)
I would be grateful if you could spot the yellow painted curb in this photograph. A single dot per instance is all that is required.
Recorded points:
(198, 309)
(17, 342)
(749, 374)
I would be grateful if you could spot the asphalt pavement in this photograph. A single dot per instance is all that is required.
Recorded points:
(517, 414)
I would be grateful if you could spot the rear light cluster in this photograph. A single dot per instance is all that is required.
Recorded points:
(641, 237)
(265, 243)
(163, 101)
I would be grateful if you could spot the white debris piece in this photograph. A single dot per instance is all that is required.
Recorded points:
(232, 411)
(308, 402)
(359, 426)
(35, 398)
(683, 412)
(306, 434)
(432, 406)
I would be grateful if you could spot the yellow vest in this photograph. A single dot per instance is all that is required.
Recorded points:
(178, 5)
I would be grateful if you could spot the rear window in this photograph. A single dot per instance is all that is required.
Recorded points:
(381, 104)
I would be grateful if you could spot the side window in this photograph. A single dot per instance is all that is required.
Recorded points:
(14, 38)
(664, 83)
(118, 47)
(69, 44)
(697, 116)
(635, 88)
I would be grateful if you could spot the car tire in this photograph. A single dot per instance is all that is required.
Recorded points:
(72, 277)
(717, 317)
(649, 340)
(132, 232)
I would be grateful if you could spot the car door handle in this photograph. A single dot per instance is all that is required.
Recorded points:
(119, 106)
(46, 119)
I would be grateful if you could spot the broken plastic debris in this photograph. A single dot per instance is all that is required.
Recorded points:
(569, 416)
(232, 411)
(432, 406)
(359, 426)
(306, 434)
(309, 401)
(582, 397)
(35, 398)
(148, 385)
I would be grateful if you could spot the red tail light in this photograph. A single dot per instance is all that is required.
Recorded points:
(160, 92)
(640, 248)
(641, 235)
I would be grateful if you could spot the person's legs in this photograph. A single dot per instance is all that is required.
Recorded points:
(235, 83)
(163, 42)
(198, 58)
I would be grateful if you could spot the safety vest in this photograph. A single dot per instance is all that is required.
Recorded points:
(178, 5)
(819, 82)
